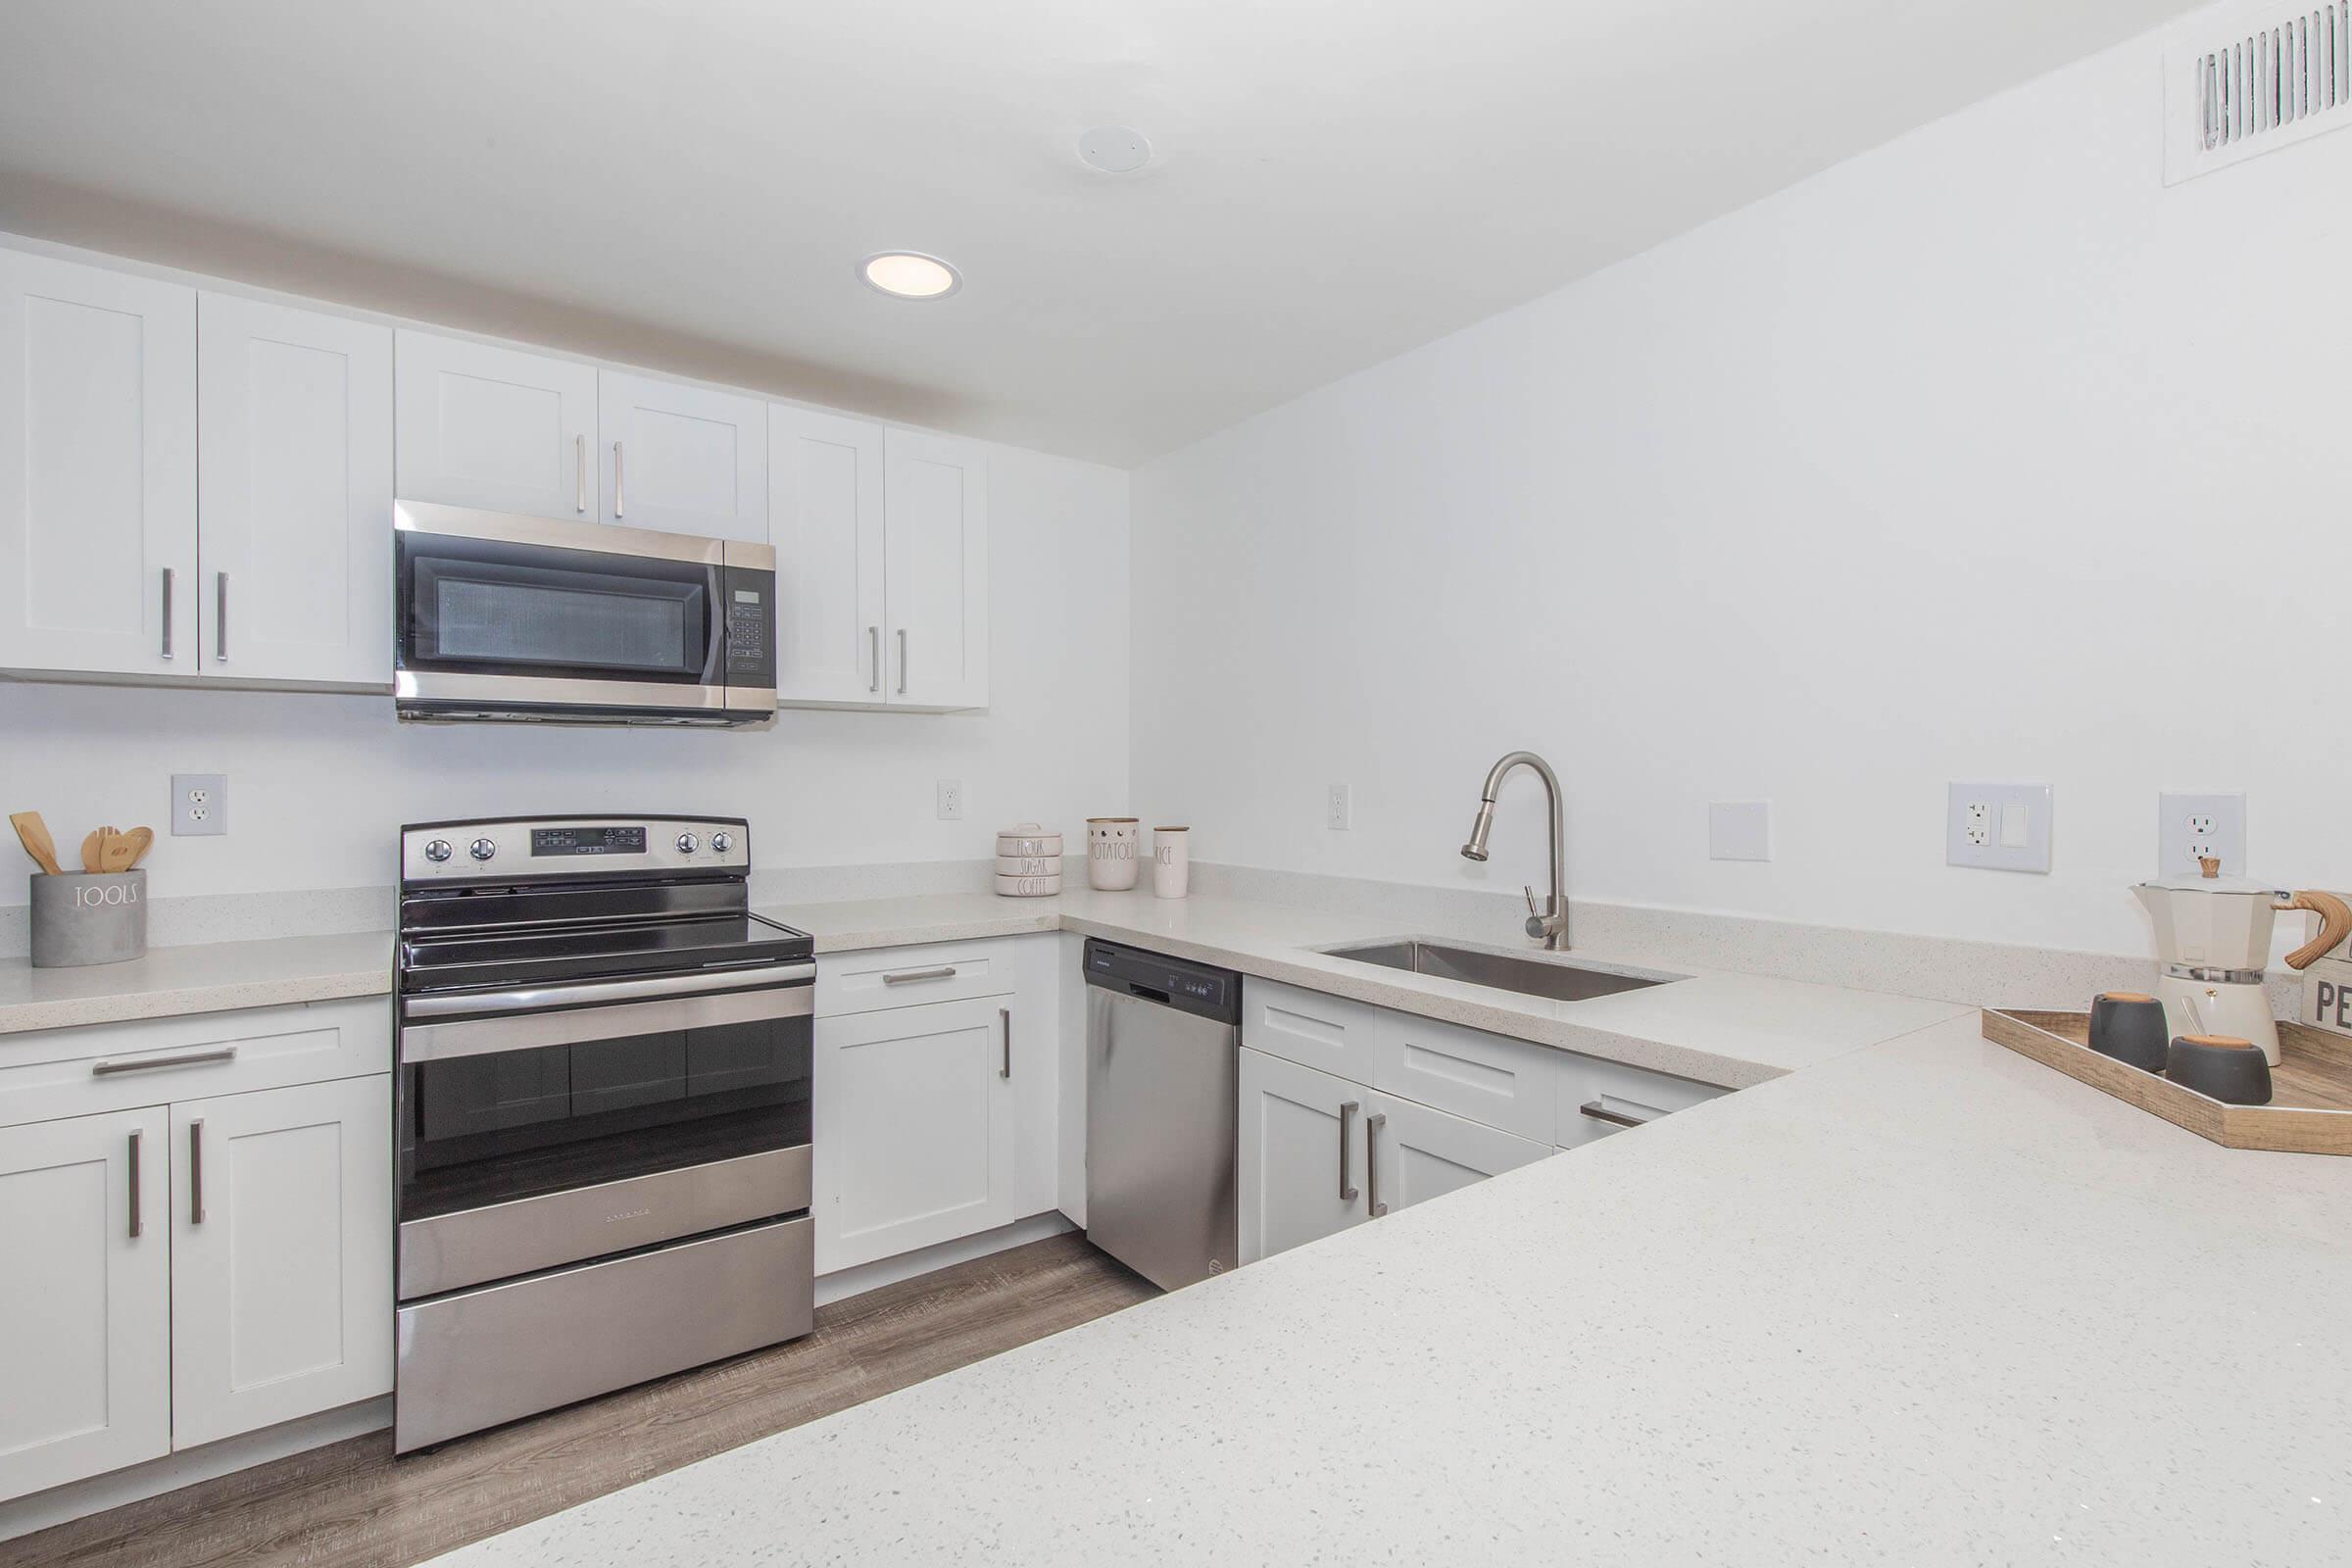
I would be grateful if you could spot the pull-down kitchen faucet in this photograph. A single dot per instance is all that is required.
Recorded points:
(1552, 926)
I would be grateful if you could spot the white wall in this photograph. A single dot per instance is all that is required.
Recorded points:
(319, 784)
(1981, 455)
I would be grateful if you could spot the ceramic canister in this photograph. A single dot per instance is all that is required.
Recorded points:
(1111, 853)
(1028, 841)
(1171, 861)
(88, 917)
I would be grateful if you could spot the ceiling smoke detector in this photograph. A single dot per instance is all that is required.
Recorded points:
(910, 275)
(1115, 149)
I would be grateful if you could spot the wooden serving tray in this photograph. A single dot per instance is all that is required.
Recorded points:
(2310, 1111)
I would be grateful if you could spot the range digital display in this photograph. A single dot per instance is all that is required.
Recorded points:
(588, 840)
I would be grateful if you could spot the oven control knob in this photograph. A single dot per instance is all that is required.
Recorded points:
(482, 848)
(688, 844)
(722, 842)
(437, 851)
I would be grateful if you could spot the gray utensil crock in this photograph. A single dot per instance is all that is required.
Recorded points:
(88, 917)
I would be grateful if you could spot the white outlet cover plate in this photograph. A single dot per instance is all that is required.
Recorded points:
(1740, 830)
(2009, 844)
(184, 821)
(2178, 841)
(951, 801)
(1339, 809)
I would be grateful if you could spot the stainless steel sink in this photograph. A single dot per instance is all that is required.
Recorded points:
(1525, 973)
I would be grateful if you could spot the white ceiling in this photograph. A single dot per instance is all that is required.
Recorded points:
(690, 187)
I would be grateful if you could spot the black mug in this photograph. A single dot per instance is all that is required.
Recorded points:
(2129, 1027)
(2221, 1067)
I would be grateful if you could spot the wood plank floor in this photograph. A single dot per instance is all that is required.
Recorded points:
(349, 1505)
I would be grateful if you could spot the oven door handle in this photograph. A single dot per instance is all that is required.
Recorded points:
(534, 998)
(692, 1002)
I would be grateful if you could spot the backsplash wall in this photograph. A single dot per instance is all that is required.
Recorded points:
(319, 784)
(1983, 456)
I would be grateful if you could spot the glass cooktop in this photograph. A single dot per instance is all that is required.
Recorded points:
(598, 951)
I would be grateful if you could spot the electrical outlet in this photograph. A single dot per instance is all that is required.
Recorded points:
(1338, 810)
(199, 804)
(2191, 826)
(951, 801)
(1998, 827)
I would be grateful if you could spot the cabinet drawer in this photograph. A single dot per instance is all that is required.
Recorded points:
(1614, 1088)
(910, 977)
(77, 1072)
(1491, 1079)
(1330, 1034)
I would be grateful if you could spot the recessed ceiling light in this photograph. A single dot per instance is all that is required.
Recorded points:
(911, 275)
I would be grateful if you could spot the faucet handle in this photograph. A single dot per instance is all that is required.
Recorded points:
(1529, 888)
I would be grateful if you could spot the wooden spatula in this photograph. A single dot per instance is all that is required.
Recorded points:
(33, 834)
(92, 858)
(123, 850)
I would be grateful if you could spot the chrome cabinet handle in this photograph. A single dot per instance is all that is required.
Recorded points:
(902, 660)
(193, 1058)
(579, 471)
(135, 1226)
(1348, 1112)
(221, 616)
(1615, 1118)
(167, 648)
(909, 976)
(873, 659)
(1372, 1126)
(620, 509)
(1004, 1018)
(196, 1171)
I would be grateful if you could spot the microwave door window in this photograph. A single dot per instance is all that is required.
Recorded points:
(497, 609)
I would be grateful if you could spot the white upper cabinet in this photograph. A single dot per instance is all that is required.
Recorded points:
(294, 432)
(825, 519)
(936, 509)
(85, 1312)
(498, 428)
(681, 458)
(97, 469)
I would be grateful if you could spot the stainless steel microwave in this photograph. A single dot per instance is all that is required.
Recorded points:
(502, 616)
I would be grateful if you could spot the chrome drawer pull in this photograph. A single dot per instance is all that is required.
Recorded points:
(1372, 1126)
(1004, 1016)
(873, 652)
(579, 470)
(1348, 1112)
(193, 1058)
(1615, 1118)
(909, 976)
(196, 1171)
(221, 616)
(167, 648)
(135, 1226)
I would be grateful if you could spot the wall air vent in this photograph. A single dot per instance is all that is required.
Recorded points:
(2242, 80)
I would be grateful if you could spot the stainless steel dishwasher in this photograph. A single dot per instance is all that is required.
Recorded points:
(1162, 1037)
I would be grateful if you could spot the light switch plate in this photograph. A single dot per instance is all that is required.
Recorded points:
(1740, 830)
(1998, 827)
(199, 804)
(2192, 825)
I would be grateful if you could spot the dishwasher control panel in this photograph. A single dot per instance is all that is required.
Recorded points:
(1195, 988)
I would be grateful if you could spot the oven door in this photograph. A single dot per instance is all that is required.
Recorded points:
(529, 618)
(549, 1124)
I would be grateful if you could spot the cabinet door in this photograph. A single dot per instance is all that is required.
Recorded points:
(86, 1299)
(1302, 1154)
(681, 458)
(824, 517)
(913, 1129)
(479, 425)
(281, 1265)
(935, 504)
(1417, 1154)
(97, 469)
(294, 504)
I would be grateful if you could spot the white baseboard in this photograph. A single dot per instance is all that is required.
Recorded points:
(95, 1495)
(883, 1271)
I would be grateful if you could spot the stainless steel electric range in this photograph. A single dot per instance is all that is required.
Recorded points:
(601, 1113)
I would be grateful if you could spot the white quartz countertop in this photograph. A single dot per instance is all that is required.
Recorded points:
(206, 977)
(1927, 1302)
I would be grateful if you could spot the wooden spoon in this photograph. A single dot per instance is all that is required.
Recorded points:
(132, 846)
(33, 834)
(92, 859)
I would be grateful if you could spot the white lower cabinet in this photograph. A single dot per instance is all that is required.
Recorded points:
(281, 1273)
(1414, 1154)
(1302, 1154)
(914, 1128)
(85, 1303)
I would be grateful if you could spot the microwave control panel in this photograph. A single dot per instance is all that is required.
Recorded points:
(750, 620)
